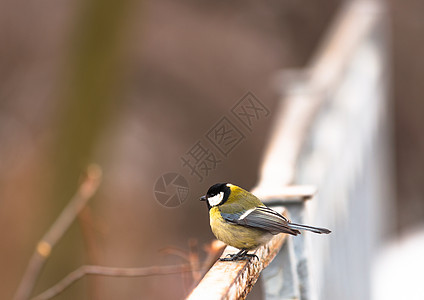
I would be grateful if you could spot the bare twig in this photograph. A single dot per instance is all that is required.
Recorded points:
(194, 259)
(88, 226)
(172, 250)
(85, 191)
(110, 271)
(214, 251)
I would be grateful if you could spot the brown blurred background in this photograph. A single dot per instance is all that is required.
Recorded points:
(133, 86)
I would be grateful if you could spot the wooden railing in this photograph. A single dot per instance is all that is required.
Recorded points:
(306, 93)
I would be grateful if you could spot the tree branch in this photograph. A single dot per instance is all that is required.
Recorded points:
(213, 250)
(110, 271)
(44, 247)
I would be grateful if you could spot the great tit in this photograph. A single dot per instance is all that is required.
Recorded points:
(241, 220)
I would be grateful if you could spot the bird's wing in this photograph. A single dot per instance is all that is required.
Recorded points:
(260, 217)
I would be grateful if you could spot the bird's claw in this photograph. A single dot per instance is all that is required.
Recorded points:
(237, 256)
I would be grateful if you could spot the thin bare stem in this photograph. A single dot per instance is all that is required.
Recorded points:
(214, 251)
(44, 247)
(110, 271)
(194, 259)
(88, 226)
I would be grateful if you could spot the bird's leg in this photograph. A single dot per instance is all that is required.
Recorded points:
(241, 255)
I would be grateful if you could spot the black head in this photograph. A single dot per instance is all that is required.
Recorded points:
(217, 195)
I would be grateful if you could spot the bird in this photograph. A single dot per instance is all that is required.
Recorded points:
(239, 219)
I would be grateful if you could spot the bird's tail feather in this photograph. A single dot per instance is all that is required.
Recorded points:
(309, 228)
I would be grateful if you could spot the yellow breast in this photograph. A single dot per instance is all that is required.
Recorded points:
(237, 236)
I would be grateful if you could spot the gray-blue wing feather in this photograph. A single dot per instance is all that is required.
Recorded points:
(261, 217)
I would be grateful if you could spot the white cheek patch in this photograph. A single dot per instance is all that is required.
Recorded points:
(215, 200)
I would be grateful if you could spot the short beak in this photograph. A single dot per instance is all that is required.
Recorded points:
(203, 198)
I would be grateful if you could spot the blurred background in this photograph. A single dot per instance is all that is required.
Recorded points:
(133, 86)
